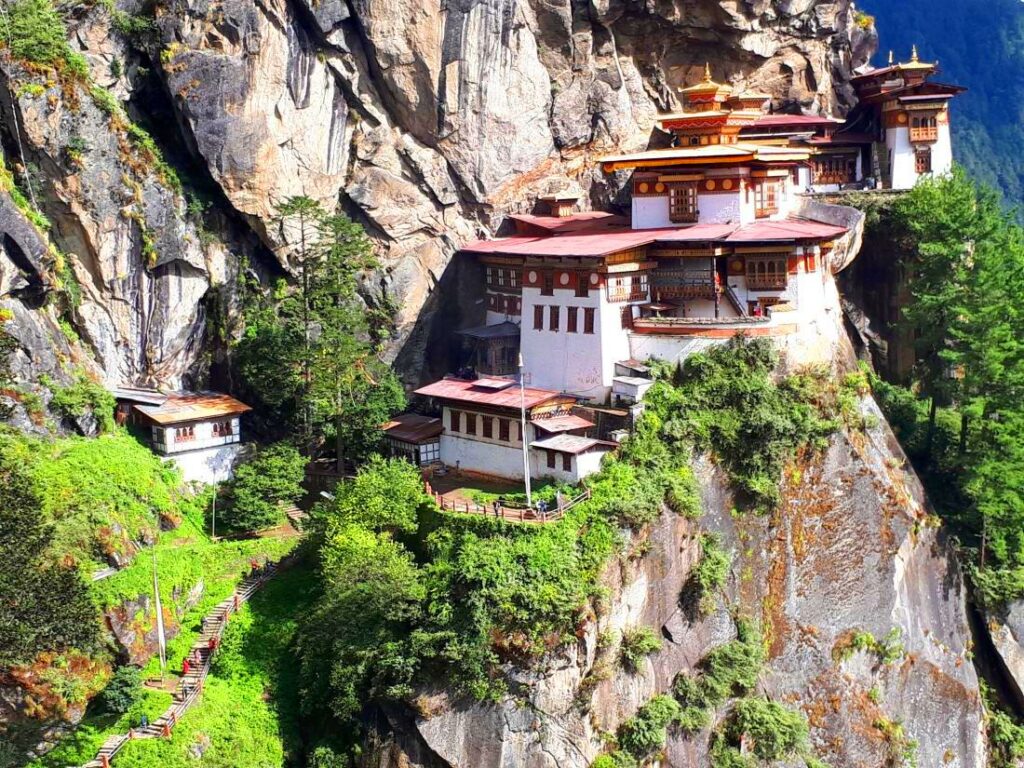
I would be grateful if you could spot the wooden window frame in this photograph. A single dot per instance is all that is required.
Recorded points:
(488, 427)
(504, 433)
(571, 319)
(683, 203)
(766, 198)
(547, 283)
(589, 314)
(923, 161)
(554, 317)
(582, 285)
(455, 421)
(767, 273)
(538, 317)
(551, 459)
(471, 424)
(566, 462)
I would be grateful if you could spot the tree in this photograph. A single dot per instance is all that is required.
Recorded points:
(123, 690)
(313, 352)
(274, 475)
(43, 606)
(386, 494)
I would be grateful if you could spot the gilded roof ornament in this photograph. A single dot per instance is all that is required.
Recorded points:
(892, 58)
(913, 55)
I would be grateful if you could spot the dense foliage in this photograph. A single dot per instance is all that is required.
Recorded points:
(963, 420)
(985, 54)
(272, 476)
(309, 356)
(44, 606)
(99, 494)
(727, 402)
(122, 691)
(83, 397)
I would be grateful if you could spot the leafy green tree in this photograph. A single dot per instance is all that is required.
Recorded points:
(43, 606)
(274, 475)
(312, 353)
(386, 494)
(123, 690)
(361, 640)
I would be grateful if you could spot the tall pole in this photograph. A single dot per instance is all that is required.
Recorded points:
(213, 516)
(526, 447)
(160, 637)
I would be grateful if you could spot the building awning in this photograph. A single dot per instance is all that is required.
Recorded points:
(572, 444)
(482, 393)
(139, 395)
(183, 407)
(499, 331)
(413, 428)
(557, 424)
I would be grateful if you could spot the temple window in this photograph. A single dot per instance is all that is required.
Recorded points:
(582, 284)
(538, 318)
(923, 160)
(553, 315)
(767, 273)
(766, 199)
(548, 284)
(588, 320)
(682, 203)
(570, 319)
(566, 462)
(924, 129)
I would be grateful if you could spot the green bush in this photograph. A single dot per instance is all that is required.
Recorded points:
(708, 575)
(84, 396)
(775, 731)
(274, 475)
(123, 690)
(615, 759)
(37, 31)
(647, 730)
(637, 644)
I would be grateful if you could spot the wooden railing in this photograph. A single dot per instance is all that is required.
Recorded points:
(505, 510)
(767, 282)
(924, 134)
(627, 294)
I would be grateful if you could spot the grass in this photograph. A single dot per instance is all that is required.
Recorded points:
(248, 714)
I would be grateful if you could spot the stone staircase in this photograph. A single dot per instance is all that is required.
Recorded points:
(190, 687)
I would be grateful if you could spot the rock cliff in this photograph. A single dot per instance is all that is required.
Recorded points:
(850, 551)
(426, 122)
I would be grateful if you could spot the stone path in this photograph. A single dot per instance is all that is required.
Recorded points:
(190, 687)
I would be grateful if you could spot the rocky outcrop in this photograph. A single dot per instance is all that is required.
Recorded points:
(851, 550)
(427, 125)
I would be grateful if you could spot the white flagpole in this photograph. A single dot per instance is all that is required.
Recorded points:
(526, 447)
(161, 639)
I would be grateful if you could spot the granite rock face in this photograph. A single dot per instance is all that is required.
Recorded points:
(427, 122)
(849, 551)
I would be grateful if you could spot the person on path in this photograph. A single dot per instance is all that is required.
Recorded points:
(144, 720)
(185, 666)
(214, 641)
(497, 508)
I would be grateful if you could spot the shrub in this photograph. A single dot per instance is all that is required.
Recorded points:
(708, 575)
(38, 34)
(82, 397)
(732, 669)
(637, 644)
(647, 730)
(274, 475)
(615, 759)
(123, 690)
(775, 731)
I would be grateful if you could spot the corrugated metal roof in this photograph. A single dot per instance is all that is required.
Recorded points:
(465, 391)
(139, 395)
(709, 152)
(413, 428)
(777, 121)
(696, 234)
(499, 331)
(582, 244)
(563, 423)
(183, 407)
(786, 230)
(573, 444)
(577, 222)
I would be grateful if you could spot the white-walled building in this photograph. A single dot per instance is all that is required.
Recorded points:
(482, 430)
(201, 432)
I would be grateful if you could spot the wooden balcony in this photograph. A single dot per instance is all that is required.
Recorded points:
(628, 294)
(767, 282)
(764, 213)
(680, 284)
(924, 134)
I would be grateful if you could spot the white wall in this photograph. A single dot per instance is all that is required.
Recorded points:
(209, 465)
(582, 466)
(651, 212)
(580, 363)
(722, 208)
(942, 152)
(164, 440)
(902, 171)
(499, 459)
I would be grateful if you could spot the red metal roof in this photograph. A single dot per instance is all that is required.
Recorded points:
(804, 121)
(180, 407)
(563, 423)
(413, 428)
(465, 391)
(785, 230)
(582, 244)
(577, 222)
(696, 234)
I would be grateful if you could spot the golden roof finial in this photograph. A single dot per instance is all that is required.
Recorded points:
(892, 58)
(913, 54)
(707, 72)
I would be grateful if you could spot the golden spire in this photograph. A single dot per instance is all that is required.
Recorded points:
(892, 58)
(707, 72)
(913, 54)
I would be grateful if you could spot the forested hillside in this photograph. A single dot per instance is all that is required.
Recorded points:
(979, 44)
